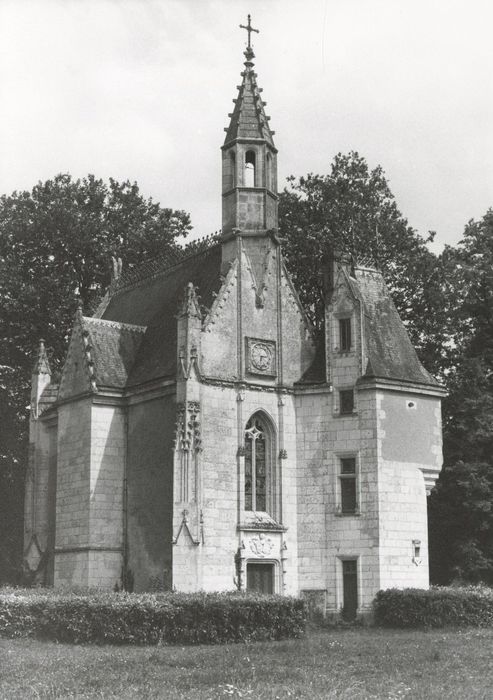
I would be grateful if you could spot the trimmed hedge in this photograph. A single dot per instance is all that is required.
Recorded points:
(167, 618)
(436, 607)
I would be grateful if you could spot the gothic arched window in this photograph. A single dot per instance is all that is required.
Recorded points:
(259, 466)
(250, 169)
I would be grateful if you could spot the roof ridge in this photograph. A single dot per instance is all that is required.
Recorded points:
(115, 324)
(152, 268)
(366, 262)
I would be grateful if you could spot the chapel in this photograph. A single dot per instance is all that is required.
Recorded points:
(201, 437)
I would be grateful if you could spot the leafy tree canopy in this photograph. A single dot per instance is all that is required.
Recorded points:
(353, 210)
(56, 244)
(461, 506)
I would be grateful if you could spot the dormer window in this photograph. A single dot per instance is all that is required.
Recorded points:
(250, 169)
(345, 339)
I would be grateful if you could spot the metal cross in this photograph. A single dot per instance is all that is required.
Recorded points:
(249, 29)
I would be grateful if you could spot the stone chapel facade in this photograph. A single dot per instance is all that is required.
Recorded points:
(199, 438)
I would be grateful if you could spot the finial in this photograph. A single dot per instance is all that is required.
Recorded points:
(41, 365)
(190, 304)
(248, 51)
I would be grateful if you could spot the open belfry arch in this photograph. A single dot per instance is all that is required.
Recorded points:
(202, 437)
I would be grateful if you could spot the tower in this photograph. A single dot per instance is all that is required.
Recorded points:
(249, 165)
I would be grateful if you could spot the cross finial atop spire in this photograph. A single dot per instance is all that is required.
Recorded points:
(249, 29)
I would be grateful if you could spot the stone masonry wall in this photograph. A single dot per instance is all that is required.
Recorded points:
(326, 536)
(150, 492)
(108, 447)
(409, 444)
(39, 520)
(72, 501)
(211, 564)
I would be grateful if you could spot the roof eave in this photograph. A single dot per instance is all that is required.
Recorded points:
(397, 384)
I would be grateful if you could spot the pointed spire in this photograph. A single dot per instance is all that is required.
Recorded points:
(41, 364)
(248, 119)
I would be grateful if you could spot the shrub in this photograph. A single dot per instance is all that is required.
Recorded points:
(169, 618)
(436, 607)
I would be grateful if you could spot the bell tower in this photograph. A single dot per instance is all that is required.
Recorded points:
(249, 161)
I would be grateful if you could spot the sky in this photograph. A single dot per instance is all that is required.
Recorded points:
(141, 90)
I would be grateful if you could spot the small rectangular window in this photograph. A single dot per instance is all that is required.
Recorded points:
(345, 334)
(348, 465)
(347, 479)
(346, 400)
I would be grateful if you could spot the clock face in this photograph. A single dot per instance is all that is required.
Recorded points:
(261, 356)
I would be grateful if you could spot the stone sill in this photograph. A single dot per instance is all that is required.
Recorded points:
(261, 527)
(340, 514)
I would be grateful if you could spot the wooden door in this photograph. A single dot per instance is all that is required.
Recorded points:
(350, 589)
(260, 578)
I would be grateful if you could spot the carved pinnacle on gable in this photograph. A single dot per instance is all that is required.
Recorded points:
(41, 364)
(190, 304)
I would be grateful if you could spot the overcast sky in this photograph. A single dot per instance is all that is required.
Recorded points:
(141, 89)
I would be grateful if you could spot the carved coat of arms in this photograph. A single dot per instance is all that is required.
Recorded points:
(261, 545)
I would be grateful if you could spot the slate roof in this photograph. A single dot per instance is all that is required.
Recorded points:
(113, 349)
(248, 119)
(389, 349)
(391, 356)
(153, 302)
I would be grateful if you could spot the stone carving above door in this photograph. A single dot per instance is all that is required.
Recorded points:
(261, 545)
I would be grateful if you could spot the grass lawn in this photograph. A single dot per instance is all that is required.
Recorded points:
(359, 663)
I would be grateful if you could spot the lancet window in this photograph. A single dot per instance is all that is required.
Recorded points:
(258, 465)
(250, 169)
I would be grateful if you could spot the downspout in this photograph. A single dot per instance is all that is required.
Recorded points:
(125, 577)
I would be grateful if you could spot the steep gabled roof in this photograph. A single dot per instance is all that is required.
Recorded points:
(153, 301)
(388, 346)
(113, 349)
(248, 119)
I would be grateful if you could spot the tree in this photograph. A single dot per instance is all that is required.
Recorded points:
(56, 244)
(353, 210)
(461, 506)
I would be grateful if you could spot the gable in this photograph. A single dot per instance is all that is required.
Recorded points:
(114, 347)
(76, 378)
(153, 302)
(390, 352)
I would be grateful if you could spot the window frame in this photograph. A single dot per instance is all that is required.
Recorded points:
(271, 490)
(346, 391)
(250, 160)
(345, 334)
(340, 477)
(345, 478)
